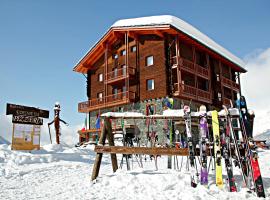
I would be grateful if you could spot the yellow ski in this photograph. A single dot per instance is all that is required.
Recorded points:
(217, 150)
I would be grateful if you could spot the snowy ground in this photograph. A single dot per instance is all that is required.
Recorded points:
(62, 172)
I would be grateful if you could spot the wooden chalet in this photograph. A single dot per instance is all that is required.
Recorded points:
(154, 57)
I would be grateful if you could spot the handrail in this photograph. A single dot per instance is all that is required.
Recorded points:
(229, 83)
(120, 73)
(187, 64)
(121, 96)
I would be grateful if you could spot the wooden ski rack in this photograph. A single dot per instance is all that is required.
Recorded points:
(142, 150)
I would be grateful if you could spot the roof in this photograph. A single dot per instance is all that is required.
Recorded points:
(154, 21)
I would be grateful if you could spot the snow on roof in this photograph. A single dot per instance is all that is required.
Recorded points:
(182, 26)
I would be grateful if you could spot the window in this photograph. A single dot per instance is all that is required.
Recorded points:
(123, 52)
(124, 89)
(115, 56)
(149, 60)
(124, 68)
(99, 96)
(115, 70)
(115, 92)
(100, 77)
(219, 96)
(150, 84)
(133, 49)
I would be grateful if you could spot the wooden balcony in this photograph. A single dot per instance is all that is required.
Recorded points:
(187, 65)
(204, 96)
(191, 92)
(193, 68)
(202, 71)
(230, 84)
(120, 75)
(106, 102)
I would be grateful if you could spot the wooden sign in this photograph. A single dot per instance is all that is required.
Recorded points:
(25, 137)
(22, 119)
(13, 109)
(26, 126)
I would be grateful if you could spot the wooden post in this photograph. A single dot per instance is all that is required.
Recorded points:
(106, 131)
(111, 143)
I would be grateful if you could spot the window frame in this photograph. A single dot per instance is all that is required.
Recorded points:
(123, 52)
(100, 75)
(152, 85)
(133, 47)
(146, 61)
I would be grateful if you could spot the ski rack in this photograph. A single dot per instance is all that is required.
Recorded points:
(113, 150)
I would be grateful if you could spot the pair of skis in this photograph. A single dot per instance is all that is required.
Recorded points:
(203, 154)
(249, 161)
(191, 148)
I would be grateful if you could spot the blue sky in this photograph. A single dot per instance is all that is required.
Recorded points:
(41, 41)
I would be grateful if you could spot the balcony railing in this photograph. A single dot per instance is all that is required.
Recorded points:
(193, 67)
(107, 101)
(119, 74)
(202, 71)
(187, 64)
(203, 95)
(192, 92)
(229, 83)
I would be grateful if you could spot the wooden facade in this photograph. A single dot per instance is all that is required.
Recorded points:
(126, 59)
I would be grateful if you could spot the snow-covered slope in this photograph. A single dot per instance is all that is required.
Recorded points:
(62, 172)
(263, 136)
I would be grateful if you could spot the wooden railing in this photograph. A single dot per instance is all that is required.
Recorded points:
(229, 83)
(188, 90)
(192, 92)
(203, 94)
(202, 71)
(187, 64)
(193, 67)
(107, 101)
(119, 74)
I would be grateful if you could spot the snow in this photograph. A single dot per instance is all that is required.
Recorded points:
(168, 113)
(63, 172)
(122, 114)
(182, 26)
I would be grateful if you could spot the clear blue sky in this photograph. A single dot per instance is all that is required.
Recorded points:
(40, 41)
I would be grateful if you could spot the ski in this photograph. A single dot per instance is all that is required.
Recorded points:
(203, 136)
(251, 154)
(226, 147)
(187, 118)
(217, 150)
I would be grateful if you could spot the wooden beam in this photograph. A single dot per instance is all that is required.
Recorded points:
(106, 132)
(159, 33)
(141, 150)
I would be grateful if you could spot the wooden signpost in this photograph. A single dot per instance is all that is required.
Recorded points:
(27, 123)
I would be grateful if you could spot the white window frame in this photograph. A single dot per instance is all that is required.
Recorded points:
(100, 77)
(100, 96)
(133, 48)
(123, 52)
(147, 64)
(152, 85)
